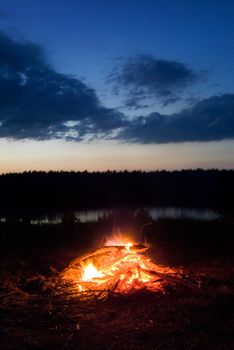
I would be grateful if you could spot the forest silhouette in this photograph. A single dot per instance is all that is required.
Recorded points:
(52, 191)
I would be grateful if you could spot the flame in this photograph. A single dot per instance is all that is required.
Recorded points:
(90, 272)
(121, 265)
(128, 246)
(119, 240)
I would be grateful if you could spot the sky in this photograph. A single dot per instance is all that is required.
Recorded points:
(97, 84)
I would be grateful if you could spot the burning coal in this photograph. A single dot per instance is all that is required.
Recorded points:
(121, 266)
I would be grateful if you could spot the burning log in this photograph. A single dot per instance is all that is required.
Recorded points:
(121, 267)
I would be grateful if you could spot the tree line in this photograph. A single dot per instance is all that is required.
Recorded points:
(82, 190)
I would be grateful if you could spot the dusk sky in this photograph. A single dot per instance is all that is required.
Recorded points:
(104, 84)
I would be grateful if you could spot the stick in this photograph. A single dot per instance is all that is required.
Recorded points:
(170, 278)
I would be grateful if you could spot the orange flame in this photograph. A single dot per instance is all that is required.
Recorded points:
(121, 265)
(118, 240)
(90, 272)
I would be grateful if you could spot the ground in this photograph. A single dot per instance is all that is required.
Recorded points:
(178, 318)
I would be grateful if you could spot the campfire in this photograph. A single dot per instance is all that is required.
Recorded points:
(120, 266)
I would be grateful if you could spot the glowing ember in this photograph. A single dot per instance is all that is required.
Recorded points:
(119, 266)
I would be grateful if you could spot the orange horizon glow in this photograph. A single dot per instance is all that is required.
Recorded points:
(20, 156)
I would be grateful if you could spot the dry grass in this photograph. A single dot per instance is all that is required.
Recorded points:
(37, 314)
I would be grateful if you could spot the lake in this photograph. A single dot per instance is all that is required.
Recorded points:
(155, 212)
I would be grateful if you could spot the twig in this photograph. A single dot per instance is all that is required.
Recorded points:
(170, 278)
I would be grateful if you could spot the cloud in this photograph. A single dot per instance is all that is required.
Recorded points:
(208, 120)
(144, 77)
(36, 101)
(133, 103)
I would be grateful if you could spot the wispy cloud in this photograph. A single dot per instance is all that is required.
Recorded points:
(146, 77)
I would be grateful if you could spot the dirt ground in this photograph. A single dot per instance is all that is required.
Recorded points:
(33, 317)
(177, 318)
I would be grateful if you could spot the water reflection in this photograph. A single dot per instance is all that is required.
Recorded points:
(190, 213)
(155, 212)
(94, 215)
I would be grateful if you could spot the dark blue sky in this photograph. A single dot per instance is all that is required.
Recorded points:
(80, 36)
(144, 72)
